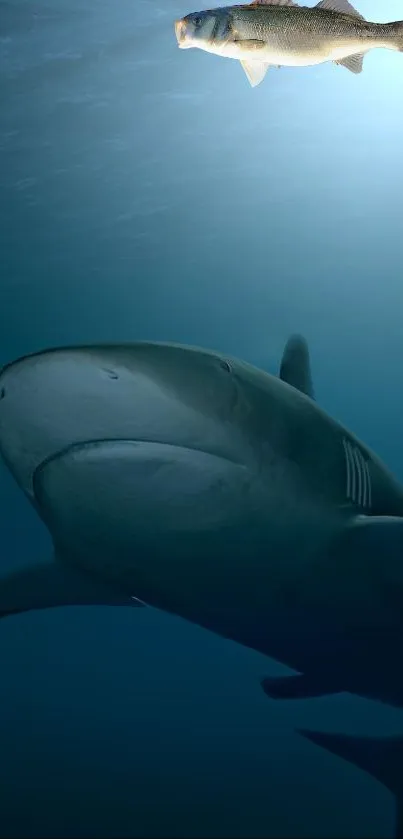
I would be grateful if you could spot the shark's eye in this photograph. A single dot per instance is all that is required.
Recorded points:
(225, 365)
(110, 373)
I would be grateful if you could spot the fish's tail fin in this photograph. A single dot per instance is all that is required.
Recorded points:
(381, 757)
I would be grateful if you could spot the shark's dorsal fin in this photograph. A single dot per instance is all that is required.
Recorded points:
(295, 367)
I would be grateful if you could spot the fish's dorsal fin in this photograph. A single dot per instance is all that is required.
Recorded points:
(295, 367)
(273, 3)
(342, 6)
(380, 757)
(255, 71)
(352, 62)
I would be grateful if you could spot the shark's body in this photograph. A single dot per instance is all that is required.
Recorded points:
(217, 492)
(212, 490)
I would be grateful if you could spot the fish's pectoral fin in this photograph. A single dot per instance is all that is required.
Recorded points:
(354, 63)
(252, 44)
(255, 71)
(342, 6)
(380, 757)
(50, 584)
(295, 367)
(300, 686)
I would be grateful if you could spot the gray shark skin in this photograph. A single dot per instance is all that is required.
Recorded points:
(181, 479)
(380, 757)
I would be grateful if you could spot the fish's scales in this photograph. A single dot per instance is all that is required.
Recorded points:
(299, 29)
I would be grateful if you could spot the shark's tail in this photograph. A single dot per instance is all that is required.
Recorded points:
(381, 757)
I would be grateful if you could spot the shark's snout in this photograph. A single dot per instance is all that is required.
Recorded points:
(54, 399)
(148, 393)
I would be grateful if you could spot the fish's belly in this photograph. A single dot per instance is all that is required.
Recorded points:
(298, 55)
(311, 56)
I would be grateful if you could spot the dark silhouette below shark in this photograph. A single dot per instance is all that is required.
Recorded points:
(380, 757)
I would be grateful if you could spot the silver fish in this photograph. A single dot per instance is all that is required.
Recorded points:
(281, 33)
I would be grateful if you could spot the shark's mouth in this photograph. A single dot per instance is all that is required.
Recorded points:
(138, 486)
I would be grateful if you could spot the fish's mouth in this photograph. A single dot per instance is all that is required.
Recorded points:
(181, 34)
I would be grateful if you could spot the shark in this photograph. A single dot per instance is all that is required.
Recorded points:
(195, 483)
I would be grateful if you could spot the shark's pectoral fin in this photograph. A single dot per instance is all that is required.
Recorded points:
(294, 687)
(373, 544)
(295, 367)
(47, 585)
(381, 757)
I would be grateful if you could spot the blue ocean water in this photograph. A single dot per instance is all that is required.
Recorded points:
(149, 193)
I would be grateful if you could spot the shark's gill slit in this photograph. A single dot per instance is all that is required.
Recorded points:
(348, 469)
(353, 495)
(365, 481)
(365, 470)
(359, 476)
(368, 483)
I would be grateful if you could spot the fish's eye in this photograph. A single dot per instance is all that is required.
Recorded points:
(197, 21)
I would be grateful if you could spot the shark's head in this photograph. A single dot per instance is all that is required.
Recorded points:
(150, 393)
(205, 30)
(158, 427)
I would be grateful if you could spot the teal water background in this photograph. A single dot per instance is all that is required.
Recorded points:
(149, 193)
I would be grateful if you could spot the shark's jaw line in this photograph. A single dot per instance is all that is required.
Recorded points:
(147, 393)
(162, 444)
